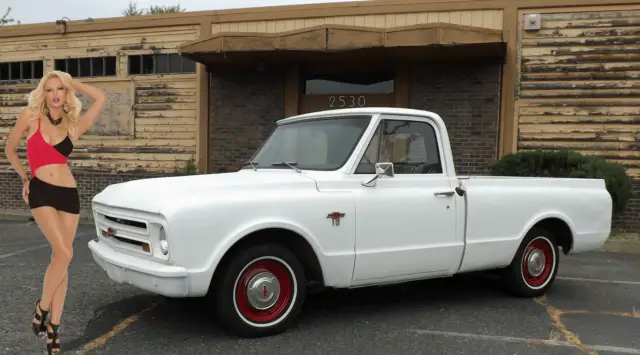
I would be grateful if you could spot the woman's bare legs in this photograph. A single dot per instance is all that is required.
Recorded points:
(55, 229)
(70, 222)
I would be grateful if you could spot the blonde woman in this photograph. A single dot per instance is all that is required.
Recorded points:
(52, 124)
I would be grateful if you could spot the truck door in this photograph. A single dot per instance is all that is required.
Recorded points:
(406, 223)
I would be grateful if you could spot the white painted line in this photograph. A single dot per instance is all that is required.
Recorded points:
(22, 251)
(613, 349)
(636, 283)
(4, 256)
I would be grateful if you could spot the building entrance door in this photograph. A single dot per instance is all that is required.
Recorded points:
(346, 87)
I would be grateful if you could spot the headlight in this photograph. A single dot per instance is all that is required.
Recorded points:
(164, 244)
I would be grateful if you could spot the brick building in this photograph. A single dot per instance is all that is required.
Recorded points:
(504, 75)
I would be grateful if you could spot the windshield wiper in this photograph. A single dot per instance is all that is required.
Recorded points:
(252, 163)
(292, 165)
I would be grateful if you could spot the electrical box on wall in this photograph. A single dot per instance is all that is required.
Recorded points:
(532, 22)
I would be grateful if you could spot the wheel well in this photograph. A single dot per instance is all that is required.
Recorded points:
(560, 231)
(284, 237)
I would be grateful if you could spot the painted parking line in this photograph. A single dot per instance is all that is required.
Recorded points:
(26, 250)
(101, 340)
(582, 279)
(548, 342)
(21, 251)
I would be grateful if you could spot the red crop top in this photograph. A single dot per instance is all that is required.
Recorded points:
(41, 153)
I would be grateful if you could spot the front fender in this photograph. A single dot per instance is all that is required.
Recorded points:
(242, 231)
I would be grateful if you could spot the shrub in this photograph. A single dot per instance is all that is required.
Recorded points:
(568, 164)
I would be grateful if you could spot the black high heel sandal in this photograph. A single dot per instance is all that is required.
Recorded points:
(39, 329)
(54, 346)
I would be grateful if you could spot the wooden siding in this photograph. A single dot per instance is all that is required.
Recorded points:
(149, 123)
(579, 85)
(481, 18)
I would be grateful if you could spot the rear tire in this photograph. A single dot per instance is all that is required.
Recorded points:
(261, 292)
(535, 265)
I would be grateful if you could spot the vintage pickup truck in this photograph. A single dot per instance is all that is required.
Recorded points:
(340, 199)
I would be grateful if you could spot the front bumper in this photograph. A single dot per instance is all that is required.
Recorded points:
(149, 275)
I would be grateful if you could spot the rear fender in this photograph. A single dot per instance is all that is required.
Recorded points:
(541, 217)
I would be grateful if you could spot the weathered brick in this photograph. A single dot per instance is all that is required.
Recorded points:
(467, 97)
(628, 221)
(244, 108)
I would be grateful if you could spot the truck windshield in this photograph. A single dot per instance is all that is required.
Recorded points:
(318, 144)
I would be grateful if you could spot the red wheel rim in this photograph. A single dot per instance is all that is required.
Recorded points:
(537, 262)
(264, 291)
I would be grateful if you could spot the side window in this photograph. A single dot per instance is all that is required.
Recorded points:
(411, 146)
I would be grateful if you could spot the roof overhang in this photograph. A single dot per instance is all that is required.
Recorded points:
(328, 39)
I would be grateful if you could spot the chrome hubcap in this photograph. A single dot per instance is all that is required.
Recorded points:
(536, 262)
(263, 290)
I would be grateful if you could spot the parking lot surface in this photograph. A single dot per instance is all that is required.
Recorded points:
(593, 308)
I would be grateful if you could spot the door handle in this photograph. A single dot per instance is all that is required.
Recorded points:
(444, 193)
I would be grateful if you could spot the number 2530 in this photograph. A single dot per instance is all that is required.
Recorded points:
(347, 101)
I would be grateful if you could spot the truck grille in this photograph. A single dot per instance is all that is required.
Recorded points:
(125, 233)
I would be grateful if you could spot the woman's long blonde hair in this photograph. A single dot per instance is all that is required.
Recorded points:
(72, 106)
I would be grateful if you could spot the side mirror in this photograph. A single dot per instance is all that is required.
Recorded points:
(382, 169)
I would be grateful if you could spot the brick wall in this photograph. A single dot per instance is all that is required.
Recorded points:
(629, 220)
(90, 183)
(467, 97)
(244, 108)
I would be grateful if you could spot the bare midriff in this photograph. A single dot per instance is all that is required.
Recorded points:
(56, 174)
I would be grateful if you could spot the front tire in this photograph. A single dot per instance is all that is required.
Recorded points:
(535, 265)
(261, 292)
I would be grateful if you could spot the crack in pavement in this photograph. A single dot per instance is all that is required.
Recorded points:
(568, 335)
(101, 340)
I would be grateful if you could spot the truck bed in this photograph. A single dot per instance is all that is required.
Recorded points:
(500, 210)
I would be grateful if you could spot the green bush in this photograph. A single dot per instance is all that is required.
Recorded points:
(568, 164)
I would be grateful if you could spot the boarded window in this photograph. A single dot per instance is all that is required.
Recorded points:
(87, 67)
(26, 70)
(160, 64)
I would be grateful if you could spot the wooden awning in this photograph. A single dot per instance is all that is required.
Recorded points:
(330, 38)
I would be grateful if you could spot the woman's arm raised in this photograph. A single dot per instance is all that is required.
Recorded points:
(89, 117)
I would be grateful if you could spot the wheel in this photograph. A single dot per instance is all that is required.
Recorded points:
(535, 265)
(261, 292)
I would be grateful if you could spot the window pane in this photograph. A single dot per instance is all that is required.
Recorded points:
(175, 63)
(15, 71)
(147, 64)
(110, 63)
(98, 66)
(411, 146)
(134, 64)
(72, 67)
(60, 64)
(38, 69)
(188, 65)
(162, 63)
(4, 71)
(321, 144)
(361, 83)
(27, 73)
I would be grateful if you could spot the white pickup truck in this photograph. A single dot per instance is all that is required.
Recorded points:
(340, 199)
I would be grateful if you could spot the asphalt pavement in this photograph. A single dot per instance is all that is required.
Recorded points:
(593, 308)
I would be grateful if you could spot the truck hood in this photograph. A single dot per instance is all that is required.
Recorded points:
(153, 194)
